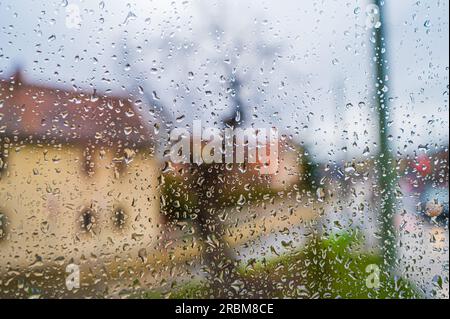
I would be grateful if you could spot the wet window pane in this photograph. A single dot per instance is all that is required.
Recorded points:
(224, 149)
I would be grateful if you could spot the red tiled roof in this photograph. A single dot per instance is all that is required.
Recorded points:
(42, 113)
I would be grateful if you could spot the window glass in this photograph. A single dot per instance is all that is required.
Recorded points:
(228, 149)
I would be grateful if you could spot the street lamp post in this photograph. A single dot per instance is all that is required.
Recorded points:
(385, 161)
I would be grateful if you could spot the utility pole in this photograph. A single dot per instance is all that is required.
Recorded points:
(385, 162)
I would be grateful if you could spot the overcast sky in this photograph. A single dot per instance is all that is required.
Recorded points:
(304, 65)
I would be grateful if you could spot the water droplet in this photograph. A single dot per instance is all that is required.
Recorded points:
(320, 193)
(130, 17)
(127, 130)
(241, 201)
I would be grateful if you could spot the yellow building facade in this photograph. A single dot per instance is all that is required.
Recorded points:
(73, 190)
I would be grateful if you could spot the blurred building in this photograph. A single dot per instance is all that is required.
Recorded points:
(78, 179)
(232, 183)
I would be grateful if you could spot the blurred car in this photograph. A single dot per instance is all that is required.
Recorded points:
(434, 205)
